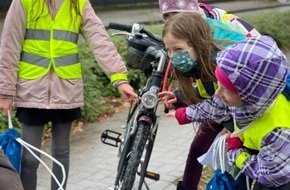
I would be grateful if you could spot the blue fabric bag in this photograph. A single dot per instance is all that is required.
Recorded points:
(286, 90)
(221, 180)
(10, 146)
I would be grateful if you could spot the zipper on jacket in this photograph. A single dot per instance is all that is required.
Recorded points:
(51, 67)
(49, 88)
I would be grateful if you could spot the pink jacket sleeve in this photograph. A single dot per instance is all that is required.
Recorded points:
(180, 115)
(12, 38)
(100, 43)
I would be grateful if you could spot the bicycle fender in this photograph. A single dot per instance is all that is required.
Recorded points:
(145, 118)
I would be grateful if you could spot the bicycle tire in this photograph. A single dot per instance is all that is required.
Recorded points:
(135, 156)
(147, 157)
(127, 147)
(124, 157)
(123, 161)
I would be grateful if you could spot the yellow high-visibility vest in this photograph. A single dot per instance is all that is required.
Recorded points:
(203, 91)
(51, 43)
(276, 116)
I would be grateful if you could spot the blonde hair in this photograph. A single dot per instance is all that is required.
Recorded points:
(197, 33)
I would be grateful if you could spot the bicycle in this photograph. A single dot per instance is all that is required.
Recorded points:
(146, 52)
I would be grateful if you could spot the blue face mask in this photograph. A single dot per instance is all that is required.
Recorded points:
(182, 61)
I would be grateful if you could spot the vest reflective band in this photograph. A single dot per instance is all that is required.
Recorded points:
(34, 65)
(37, 34)
(51, 43)
(118, 76)
(206, 90)
(241, 159)
(276, 116)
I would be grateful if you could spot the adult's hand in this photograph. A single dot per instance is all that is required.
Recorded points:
(127, 91)
(5, 106)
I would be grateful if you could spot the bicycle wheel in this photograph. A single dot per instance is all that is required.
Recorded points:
(126, 150)
(123, 162)
(135, 156)
(147, 156)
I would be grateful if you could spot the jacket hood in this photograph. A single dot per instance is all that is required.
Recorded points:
(258, 69)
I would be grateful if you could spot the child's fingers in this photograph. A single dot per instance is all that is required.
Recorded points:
(171, 101)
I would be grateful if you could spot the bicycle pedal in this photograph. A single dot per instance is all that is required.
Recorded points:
(152, 175)
(111, 138)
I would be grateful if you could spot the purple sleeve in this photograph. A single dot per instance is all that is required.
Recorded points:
(212, 109)
(271, 166)
(101, 44)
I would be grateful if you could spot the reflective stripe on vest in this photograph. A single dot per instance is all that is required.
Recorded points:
(37, 66)
(276, 116)
(35, 59)
(118, 76)
(44, 62)
(37, 34)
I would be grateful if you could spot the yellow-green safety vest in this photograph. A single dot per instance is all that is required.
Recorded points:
(276, 116)
(51, 43)
(203, 90)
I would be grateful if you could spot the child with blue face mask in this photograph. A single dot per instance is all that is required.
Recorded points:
(205, 135)
(183, 62)
(192, 43)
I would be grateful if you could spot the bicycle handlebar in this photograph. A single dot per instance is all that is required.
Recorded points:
(135, 28)
(122, 27)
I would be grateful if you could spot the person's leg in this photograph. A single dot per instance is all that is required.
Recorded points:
(9, 178)
(60, 151)
(29, 164)
(200, 144)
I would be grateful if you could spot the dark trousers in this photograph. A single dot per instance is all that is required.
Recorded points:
(60, 151)
(9, 178)
(202, 141)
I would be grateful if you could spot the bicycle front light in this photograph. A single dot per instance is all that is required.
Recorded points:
(149, 100)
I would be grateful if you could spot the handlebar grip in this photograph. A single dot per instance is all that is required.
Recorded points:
(122, 27)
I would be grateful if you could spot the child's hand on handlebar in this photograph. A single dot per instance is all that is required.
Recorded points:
(168, 98)
(127, 92)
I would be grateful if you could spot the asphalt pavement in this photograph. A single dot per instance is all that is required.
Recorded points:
(93, 164)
